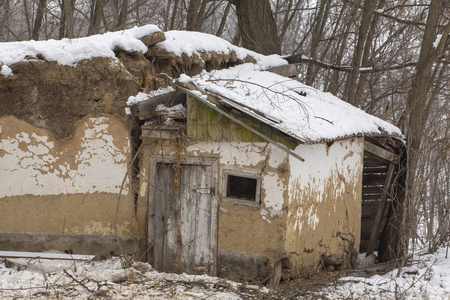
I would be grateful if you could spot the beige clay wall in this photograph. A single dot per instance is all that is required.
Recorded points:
(324, 217)
(60, 188)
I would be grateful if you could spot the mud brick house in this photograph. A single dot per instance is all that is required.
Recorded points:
(183, 150)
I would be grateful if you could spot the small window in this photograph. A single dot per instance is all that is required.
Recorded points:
(241, 188)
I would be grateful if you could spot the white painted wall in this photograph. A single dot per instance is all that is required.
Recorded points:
(33, 162)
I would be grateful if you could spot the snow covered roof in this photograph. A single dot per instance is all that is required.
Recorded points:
(71, 51)
(298, 110)
(189, 43)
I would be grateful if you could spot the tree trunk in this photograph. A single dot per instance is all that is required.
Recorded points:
(195, 14)
(66, 25)
(224, 20)
(352, 78)
(123, 15)
(27, 18)
(174, 15)
(96, 17)
(418, 101)
(257, 26)
(319, 25)
(38, 20)
(391, 244)
(62, 20)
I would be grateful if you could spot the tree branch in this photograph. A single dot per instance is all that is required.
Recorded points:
(299, 58)
(398, 19)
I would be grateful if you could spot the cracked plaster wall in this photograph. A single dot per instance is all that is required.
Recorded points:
(65, 187)
(324, 217)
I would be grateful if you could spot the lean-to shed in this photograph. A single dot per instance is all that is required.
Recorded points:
(223, 166)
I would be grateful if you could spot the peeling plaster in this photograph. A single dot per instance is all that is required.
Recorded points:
(248, 157)
(144, 183)
(33, 162)
(325, 201)
(338, 163)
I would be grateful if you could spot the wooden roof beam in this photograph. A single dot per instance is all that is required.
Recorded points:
(147, 109)
(382, 153)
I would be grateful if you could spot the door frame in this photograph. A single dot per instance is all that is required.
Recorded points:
(195, 161)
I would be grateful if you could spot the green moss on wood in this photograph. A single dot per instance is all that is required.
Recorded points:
(206, 124)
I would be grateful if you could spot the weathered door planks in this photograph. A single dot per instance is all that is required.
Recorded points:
(183, 223)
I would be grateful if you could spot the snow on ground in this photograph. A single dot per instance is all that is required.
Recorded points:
(427, 278)
(290, 106)
(41, 279)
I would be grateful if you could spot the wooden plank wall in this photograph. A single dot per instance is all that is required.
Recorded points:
(374, 177)
(205, 124)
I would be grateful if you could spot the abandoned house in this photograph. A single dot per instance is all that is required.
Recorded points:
(190, 153)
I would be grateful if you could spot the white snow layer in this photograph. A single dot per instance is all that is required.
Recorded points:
(71, 51)
(296, 109)
(314, 117)
(189, 43)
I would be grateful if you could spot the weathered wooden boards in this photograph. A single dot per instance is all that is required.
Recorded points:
(380, 167)
(45, 255)
(183, 218)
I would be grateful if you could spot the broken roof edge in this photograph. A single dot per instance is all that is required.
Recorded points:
(249, 111)
(138, 108)
(272, 121)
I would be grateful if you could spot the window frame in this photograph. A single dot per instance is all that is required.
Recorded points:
(256, 202)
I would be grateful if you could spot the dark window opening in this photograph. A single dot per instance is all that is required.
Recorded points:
(242, 188)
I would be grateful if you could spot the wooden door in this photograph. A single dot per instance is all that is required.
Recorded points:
(183, 216)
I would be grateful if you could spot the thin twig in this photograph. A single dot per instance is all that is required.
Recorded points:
(79, 282)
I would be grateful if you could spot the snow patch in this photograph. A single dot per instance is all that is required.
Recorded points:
(426, 278)
(133, 100)
(437, 41)
(6, 71)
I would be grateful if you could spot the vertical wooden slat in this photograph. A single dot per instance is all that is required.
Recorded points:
(374, 235)
(162, 193)
(151, 215)
(214, 180)
(186, 216)
(203, 219)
